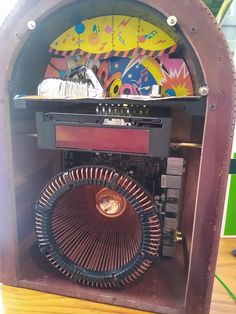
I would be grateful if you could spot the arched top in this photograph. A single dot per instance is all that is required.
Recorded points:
(194, 28)
(23, 60)
(128, 55)
(114, 34)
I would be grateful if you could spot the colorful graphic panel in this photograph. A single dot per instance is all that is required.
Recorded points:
(116, 35)
(128, 55)
(132, 76)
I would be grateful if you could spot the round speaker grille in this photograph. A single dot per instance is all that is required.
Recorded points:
(98, 226)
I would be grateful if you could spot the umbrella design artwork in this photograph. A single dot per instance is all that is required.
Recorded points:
(116, 35)
(127, 54)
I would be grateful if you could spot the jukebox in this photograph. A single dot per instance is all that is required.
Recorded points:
(116, 126)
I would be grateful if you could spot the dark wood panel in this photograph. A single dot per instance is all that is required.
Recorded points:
(162, 289)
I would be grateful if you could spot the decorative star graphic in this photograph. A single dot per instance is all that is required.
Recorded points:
(130, 76)
(116, 66)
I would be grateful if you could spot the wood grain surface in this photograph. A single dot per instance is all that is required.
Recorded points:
(226, 270)
(22, 301)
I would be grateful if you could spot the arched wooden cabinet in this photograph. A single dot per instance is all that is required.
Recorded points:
(155, 145)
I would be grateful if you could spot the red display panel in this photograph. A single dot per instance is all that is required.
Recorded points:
(102, 139)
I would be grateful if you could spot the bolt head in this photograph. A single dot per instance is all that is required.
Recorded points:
(31, 25)
(193, 29)
(172, 20)
(203, 90)
(213, 107)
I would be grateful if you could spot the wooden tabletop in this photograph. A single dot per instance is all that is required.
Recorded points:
(22, 301)
(226, 270)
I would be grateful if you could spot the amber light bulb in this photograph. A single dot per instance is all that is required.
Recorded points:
(109, 203)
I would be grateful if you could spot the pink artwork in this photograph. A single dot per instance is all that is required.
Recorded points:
(177, 80)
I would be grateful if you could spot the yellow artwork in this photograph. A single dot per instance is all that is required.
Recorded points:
(114, 33)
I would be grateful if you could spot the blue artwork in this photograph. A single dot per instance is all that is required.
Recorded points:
(124, 76)
(80, 28)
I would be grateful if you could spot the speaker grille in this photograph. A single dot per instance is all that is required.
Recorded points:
(98, 226)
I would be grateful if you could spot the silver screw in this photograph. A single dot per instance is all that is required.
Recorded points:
(172, 20)
(213, 107)
(193, 29)
(31, 25)
(203, 90)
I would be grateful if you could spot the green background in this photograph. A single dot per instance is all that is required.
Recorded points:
(214, 5)
(230, 225)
